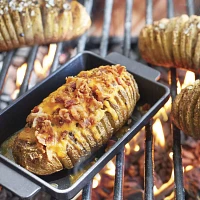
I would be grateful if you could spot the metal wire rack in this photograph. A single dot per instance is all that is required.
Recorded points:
(148, 181)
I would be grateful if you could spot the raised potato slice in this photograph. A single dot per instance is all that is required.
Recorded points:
(76, 119)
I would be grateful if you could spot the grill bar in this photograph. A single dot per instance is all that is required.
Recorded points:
(148, 171)
(190, 7)
(56, 57)
(106, 27)
(178, 170)
(82, 42)
(148, 186)
(87, 190)
(127, 28)
(5, 67)
(119, 176)
(30, 64)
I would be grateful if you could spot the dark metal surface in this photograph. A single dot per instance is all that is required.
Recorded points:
(119, 175)
(106, 27)
(170, 8)
(152, 93)
(190, 7)
(127, 28)
(5, 67)
(87, 190)
(149, 11)
(82, 42)
(30, 65)
(148, 173)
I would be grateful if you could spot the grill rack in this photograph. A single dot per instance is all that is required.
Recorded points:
(148, 181)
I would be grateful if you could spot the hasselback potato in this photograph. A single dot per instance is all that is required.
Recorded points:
(172, 42)
(76, 119)
(186, 110)
(26, 22)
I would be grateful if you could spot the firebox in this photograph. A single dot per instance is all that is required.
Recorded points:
(160, 161)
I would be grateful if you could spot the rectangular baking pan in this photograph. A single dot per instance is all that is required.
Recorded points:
(24, 183)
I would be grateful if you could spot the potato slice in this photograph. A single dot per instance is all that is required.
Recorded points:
(190, 108)
(176, 40)
(167, 40)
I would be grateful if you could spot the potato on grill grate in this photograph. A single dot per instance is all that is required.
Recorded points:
(186, 110)
(26, 22)
(76, 119)
(172, 42)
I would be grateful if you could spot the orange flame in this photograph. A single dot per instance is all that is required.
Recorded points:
(96, 180)
(110, 168)
(158, 133)
(20, 74)
(136, 148)
(189, 79)
(127, 149)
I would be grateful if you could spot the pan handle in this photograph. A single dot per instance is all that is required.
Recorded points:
(14, 181)
(136, 67)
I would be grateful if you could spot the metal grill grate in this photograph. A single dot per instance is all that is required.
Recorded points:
(148, 182)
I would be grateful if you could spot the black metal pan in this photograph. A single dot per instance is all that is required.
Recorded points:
(12, 119)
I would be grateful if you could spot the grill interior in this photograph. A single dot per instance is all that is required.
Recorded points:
(103, 45)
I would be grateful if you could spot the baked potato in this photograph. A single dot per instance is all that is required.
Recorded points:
(26, 22)
(76, 119)
(186, 109)
(172, 42)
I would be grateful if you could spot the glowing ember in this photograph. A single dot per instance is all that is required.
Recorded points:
(48, 59)
(136, 148)
(127, 149)
(158, 133)
(96, 180)
(188, 168)
(110, 168)
(189, 79)
(20, 74)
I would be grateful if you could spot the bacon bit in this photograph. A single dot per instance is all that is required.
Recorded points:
(63, 134)
(119, 81)
(71, 102)
(85, 123)
(35, 109)
(120, 69)
(92, 120)
(75, 113)
(59, 100)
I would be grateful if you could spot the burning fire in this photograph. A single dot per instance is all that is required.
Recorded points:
(189, 79)
(96, 180)
(158, 133)
(41, 70)
(110, 168)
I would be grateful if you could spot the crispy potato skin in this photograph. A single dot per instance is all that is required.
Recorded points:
(172, 42)
(76, 119)
(185, 110)
(27, 23)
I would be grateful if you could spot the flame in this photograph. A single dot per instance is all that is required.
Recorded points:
(96, 180)
(178, 87)
(171, 155)
(48, 59)
(189, 79)
(188, 168)
(158, 133)
(167, 105)
(136, 148)
(20, 74)
(110, 168)
(42, 69)
(127, 149)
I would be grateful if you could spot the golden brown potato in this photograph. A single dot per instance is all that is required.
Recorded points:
(76, 119)
(27, 22)
(186, 109)
(172, 42)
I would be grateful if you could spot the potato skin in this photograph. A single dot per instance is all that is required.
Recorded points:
(27, 23)
(185, 110)
(76, 119)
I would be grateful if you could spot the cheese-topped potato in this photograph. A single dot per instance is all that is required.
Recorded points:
(76, 119)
